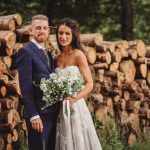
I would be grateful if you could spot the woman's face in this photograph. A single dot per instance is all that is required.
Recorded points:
(64, 35)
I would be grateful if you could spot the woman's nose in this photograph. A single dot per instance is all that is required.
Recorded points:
(63, 36)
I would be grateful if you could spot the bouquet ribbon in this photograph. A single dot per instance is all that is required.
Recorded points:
(66, 108)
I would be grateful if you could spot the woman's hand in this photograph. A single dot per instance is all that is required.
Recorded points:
(71, 100)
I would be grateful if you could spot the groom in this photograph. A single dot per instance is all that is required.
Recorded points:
(34, 63)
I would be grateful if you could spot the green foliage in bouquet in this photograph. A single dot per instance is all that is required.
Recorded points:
(59, 87)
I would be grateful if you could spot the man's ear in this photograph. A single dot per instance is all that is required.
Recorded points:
(30, 31)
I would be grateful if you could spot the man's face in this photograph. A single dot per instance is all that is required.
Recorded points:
(40, 30)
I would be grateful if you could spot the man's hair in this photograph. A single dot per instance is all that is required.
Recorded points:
(39, 17)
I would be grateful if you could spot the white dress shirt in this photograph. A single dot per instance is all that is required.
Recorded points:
(40, 47)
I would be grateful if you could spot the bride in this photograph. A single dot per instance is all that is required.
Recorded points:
(75, 131)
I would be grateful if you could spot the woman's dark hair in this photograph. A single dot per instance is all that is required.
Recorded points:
(74, 26)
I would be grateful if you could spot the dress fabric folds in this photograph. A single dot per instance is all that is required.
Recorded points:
(75, 131)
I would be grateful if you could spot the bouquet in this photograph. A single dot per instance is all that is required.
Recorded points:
(58, 87)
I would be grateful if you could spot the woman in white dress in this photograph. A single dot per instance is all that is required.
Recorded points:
(75, 131)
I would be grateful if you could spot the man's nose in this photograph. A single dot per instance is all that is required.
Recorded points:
(42, 30)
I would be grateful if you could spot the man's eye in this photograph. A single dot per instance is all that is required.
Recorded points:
(38, 28)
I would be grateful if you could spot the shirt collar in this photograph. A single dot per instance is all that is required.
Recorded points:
(37, 44)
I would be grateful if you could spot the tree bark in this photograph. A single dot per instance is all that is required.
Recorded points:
(126, 19)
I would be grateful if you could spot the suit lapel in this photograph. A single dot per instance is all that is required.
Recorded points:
(40, 53)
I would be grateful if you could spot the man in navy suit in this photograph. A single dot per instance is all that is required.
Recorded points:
(33, 64)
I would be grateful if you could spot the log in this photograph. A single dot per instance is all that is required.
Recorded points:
(6, 103)
(97, 88)
(147, 51)
(126, 95)
(17, 47)
(90, 107)
(9, 147)
(132, 139)
(7, 60)
(7, 24)
(10, 116)
(114, 66)
(100, 65)
(124, 117)
(2, 143)
(106, 46)
(104, 57)
(8, 38)
(123, 51)
(3, 91)
(116, 56)
(24, 126)
(141, 71)
(101, 116)
(148, 77)
(101, 75)
(122, 43)
(132, 53)
(23, 34)
(136, 96)
(110, 107)
(90, 53)
(142, 60)
(14, 135)
(5, 127)
(91, 39)
(146, 131)
(142, 83)
(13, 87)
(128, 68)
(134, 120)
(86, 39)
(14, 74)
(8, 137)
(16, 17)
(3, 67)
(15, 100)
(3, 79)
(97, 97)
(139, 45)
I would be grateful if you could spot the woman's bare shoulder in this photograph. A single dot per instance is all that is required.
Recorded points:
(79, 53)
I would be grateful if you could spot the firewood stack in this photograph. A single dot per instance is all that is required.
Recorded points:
(121, 89)
(121, 77)
(120, 71)
(10, 96)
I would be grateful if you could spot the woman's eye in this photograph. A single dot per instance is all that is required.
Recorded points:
(67, 33)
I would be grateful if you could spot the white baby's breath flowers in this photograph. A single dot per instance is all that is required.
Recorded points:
(59, 87)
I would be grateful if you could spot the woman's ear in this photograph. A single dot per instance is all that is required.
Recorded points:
(49, 30)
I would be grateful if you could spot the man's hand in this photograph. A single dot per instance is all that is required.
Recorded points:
(37, 124)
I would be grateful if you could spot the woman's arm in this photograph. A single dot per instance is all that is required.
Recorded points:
(85, 72)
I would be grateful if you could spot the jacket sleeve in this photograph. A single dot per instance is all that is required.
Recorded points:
(24, 65)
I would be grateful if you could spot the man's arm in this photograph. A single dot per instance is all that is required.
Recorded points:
(24, 63)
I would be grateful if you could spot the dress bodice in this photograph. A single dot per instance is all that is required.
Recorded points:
(72, 70)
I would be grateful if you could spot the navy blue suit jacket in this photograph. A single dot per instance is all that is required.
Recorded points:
(32, 66)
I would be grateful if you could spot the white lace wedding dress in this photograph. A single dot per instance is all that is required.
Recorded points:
(75, 131)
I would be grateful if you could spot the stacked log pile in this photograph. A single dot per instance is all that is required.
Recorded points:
(121, 76)
(10, 96)
(120, 71)
(121, 89)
